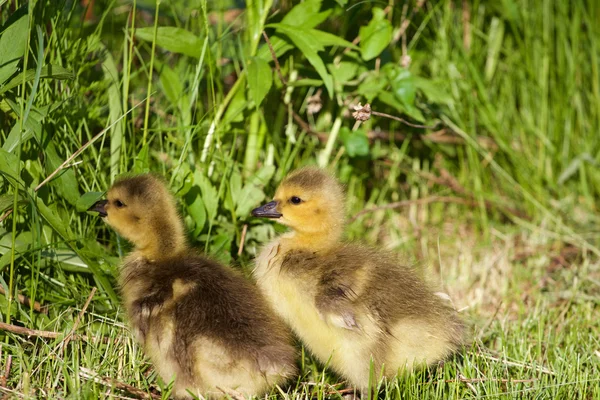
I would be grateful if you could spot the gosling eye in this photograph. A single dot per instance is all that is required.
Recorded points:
(118, 203)
(295, 200)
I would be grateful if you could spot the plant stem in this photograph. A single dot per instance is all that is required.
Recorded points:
(149, 90)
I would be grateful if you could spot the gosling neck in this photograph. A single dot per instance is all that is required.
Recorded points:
(316, 241)
(164, 241)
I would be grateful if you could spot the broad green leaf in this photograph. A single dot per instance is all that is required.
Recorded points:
(376, 36)
(328, 39)
(48, 71)
(195, 208)
(260, 79)
(343, 71)
(410, 110)
(306, 13)
(308, 45)
(6, 201)
(210, 196)
(235, 186)
(235, 111)
(13, 42)
(87, 200)
(171, 84)
(250, 197)
(173, 39)
(65, 183)
(140, 164)
(9, 164)
(355, 142)
(33, 126)
(263, 175)
(371, 86)
(403, 85)
(280, 47)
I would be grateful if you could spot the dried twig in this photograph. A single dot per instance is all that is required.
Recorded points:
(20, 330)
(4, 377)
(469, 384)
(27, 302)
(516, 364)
(363, 113)
(6, 214)
(479, 380)
(87, 373)
(242, 240)
(275, 60)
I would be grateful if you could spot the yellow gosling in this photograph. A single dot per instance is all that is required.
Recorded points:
(201, 323)
(348, 303)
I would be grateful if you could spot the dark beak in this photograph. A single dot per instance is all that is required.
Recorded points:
(100, 208)
(268, 210)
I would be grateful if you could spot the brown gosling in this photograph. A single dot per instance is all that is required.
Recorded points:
(348, 303)
(201, 323)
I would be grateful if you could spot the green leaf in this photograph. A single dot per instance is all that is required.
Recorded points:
(306, 14)
(13, 43)
(355, 142)
(403, 84)
(171, 84)
(344, 71)
(66, 183)
(391, 100)
(260, 79)
(48, 71)
(209, 194)
(140, 164)
(6, 201)
(9, 164)
(173, 39)
(235, 187)
(376, 36)
(33, 127)
(87, 200)
(235, 111)
(250, 197)
(328, 39)
(372, 86)
(195, 208)
(308, 45)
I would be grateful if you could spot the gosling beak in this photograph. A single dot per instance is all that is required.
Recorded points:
(100, 208)
(268, 210)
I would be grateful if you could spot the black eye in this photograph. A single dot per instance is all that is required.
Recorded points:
(118, 204)
(295, 200)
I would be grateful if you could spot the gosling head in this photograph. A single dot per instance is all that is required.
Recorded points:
(311, 202)
(142, 210)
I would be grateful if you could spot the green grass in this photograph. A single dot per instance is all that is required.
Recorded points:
(512, 88)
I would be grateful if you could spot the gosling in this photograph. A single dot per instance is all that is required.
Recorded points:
(350, 305)
(202, 324)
